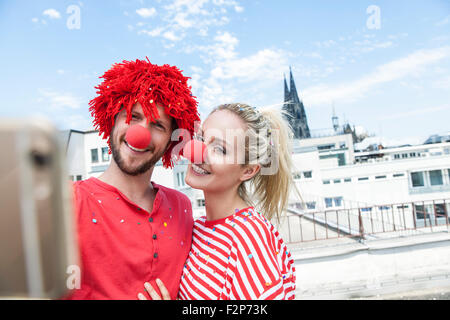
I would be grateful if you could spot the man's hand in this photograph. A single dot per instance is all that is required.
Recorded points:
(153, 293)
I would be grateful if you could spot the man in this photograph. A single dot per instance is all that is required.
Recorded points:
(130, 229)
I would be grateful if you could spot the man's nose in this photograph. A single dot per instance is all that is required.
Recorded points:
(138, 136)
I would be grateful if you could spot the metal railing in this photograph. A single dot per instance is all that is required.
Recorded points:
(366, 222)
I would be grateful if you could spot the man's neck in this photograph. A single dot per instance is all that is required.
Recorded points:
(136, 188)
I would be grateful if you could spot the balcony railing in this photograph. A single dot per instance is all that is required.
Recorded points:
(378, 221)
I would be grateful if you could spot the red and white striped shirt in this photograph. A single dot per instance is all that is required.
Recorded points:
(240, 257)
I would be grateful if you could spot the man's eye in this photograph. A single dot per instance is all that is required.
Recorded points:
(159, 125)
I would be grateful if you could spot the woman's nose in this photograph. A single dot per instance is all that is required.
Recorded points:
(195, 151)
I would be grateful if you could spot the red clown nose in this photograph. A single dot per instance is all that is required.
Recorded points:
(194, 151)
(138, 137)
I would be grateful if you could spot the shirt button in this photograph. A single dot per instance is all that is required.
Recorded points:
(155, 255)
(150, 219)
(154, 236)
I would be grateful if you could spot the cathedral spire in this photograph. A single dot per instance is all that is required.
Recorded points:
(287, 94)
(295, 109)
(293, 91)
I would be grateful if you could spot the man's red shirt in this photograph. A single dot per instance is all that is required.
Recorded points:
(122, 245)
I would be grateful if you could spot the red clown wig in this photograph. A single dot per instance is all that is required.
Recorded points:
(130, 82)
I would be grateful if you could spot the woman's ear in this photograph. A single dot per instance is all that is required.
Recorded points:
(250, 171)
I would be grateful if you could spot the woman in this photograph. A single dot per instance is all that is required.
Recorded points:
(236, 252)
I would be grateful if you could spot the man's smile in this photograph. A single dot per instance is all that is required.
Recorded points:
(136, 149)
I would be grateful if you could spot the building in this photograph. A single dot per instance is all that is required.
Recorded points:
(295, 110)
(333, 171)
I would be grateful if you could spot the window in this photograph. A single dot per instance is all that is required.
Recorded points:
(338, 201)
(180, 179)
(328, 202)
(417, 179)
(105, 154)
(404, 155)
(440, 210)
(363, 178)
(396, 175)
(337, 181)
(342, 144)
(420, 211)
(436, 177)
(71, 178)
(200, 202)
(326, 147)
(311, 205)
(412, 154)
(348, 180)
(380, 177)
(79, 178)
(366, 209)
(326, 181)
(297, 175)
(341, 159)
(307, 174)
(94, 155)
(396, 156)
(298, 205)
(339, 156)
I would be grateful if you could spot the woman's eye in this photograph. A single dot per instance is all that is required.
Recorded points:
(220, 149)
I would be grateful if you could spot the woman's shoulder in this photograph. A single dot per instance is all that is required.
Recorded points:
(261, 228)
(254, 224)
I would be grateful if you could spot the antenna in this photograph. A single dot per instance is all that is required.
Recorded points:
(334, 119)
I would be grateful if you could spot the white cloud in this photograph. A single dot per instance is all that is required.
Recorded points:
(325, 44)
(35, 20)
(412, 65)
(264, 64)
(367, 45)
(443, 22)
(196, 69)
(414, 113)
(170, 35)
(52, 14)
(58, 100)
(180, 17)
(442, 83)
(146, 12)
(152, 33)
(229, 73)
(226, 39)
(238, 9)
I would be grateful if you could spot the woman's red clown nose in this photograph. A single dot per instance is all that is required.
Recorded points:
(138, 137)
(194, 151)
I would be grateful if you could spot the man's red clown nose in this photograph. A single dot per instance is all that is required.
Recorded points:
(138, 137)
(194, 151)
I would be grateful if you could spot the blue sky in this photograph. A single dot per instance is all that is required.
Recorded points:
(390, 75)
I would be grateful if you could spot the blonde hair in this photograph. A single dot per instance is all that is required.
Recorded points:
(268, 143)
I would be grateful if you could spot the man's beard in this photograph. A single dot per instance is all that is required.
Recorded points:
(132, 171)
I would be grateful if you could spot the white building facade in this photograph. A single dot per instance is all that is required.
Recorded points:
(329, 173)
